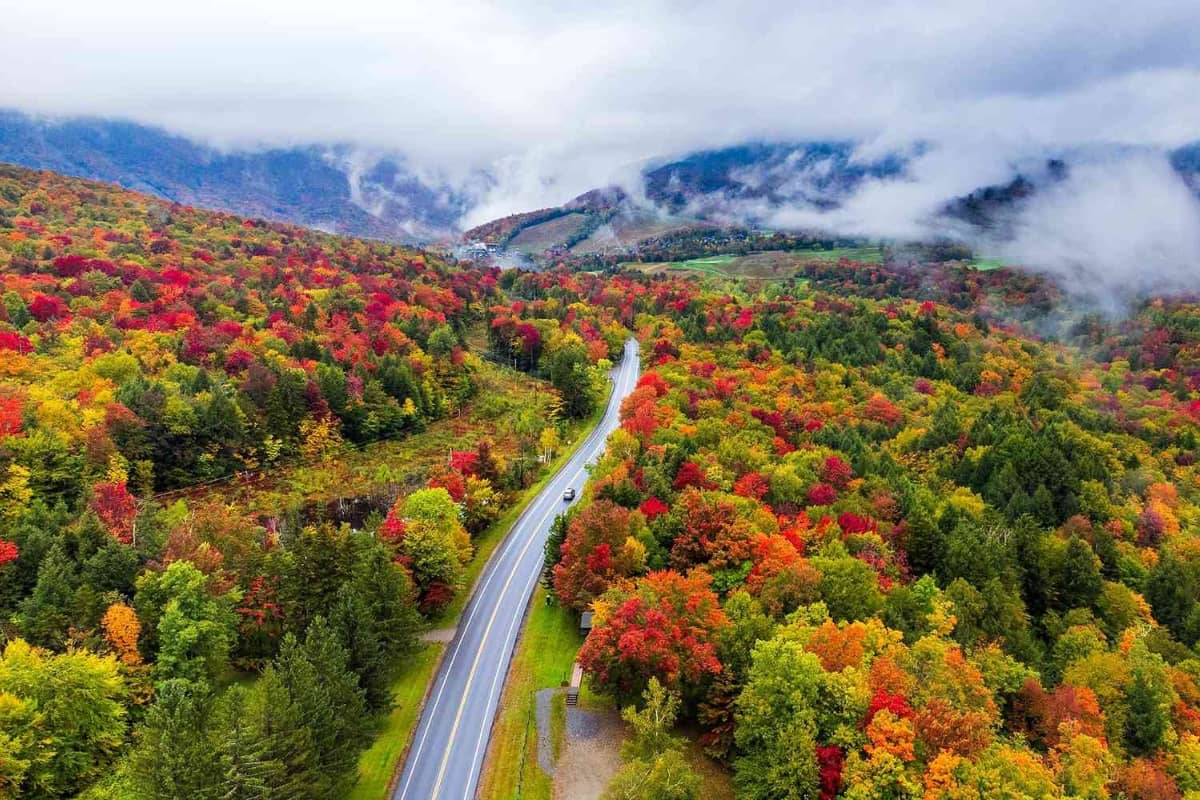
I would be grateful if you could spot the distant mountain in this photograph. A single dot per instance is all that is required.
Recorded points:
(991, 208)
(1186, 161)
(344, 190)
(819, 174)
(740, 187)
(733, 185)
(332, 188)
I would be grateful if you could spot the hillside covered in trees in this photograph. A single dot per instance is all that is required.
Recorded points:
(867, 530)
(164, 635)
(894, 548)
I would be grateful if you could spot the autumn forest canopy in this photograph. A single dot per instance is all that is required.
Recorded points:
(866, 530)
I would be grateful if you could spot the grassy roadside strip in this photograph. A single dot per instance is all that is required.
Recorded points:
(549, 641)
(379, 767)
(377, 764)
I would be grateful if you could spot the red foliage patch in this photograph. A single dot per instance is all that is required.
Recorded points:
(15, 342)
(822, 494)
(752, 485)
(891, 702)
(831, 760)
(836, 472)
(45, 308)
(10, 416)
(653, 507)
(116, 508)
(691, 475)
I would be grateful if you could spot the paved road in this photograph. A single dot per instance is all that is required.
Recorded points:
(452, 736)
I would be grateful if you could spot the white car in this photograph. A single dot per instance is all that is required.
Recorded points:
(569, 495)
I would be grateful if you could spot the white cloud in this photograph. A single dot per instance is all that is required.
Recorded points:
(1116, 225)
(557, 98)
(565, 94)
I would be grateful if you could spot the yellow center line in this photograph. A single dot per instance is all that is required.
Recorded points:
(480, 650)
(622, 384)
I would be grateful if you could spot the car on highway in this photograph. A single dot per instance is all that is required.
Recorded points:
(569, 494)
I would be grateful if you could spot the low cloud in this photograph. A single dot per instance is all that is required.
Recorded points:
(1120, 225)
(1123, 221)
(522, 104)
(556, 98)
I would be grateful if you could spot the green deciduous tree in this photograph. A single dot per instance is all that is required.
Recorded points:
(77, 718)
(195, 631)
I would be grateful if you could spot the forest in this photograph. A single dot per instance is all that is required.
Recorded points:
(875, 538)
(874, 531)
(162, 637)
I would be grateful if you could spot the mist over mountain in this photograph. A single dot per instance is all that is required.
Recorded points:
(1113, 218)
(335, 188)
(819, 174)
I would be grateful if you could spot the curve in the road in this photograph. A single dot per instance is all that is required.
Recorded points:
(455, 727)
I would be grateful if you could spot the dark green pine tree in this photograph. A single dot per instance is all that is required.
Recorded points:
(46, 614)
(244, 772)
(328, 702)
(1081, 583)
(1149, 710)
(1003, 486)
(1172, 589)
(359, 634)
(267, 752)
(1105, 546)
(925, 543)
(553, 548)
(391, 599)
(1018, 505)
(376, 620)
(1041, 506)
(174, 755)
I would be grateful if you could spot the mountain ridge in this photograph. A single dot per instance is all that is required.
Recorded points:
(313, 185)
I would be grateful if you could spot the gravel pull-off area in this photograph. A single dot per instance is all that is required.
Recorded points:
(591, 754)
(545, 747)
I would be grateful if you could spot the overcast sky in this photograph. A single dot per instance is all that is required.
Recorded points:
(554, 98)
(458, 82)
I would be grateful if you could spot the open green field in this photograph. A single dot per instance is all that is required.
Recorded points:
(768, 265)
(864, 255)
(986, 264)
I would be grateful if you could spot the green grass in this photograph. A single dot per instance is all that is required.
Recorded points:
(988, 263)
(866, 255)
(711, 265)
(543, 660)
(377, 765)
(766, 265)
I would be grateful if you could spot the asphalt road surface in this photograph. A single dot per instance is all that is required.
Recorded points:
(452, 737)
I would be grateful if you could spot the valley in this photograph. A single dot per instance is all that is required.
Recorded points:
(600, 401)
(847, 516)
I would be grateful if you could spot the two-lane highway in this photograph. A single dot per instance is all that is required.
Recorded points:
(452, 738)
